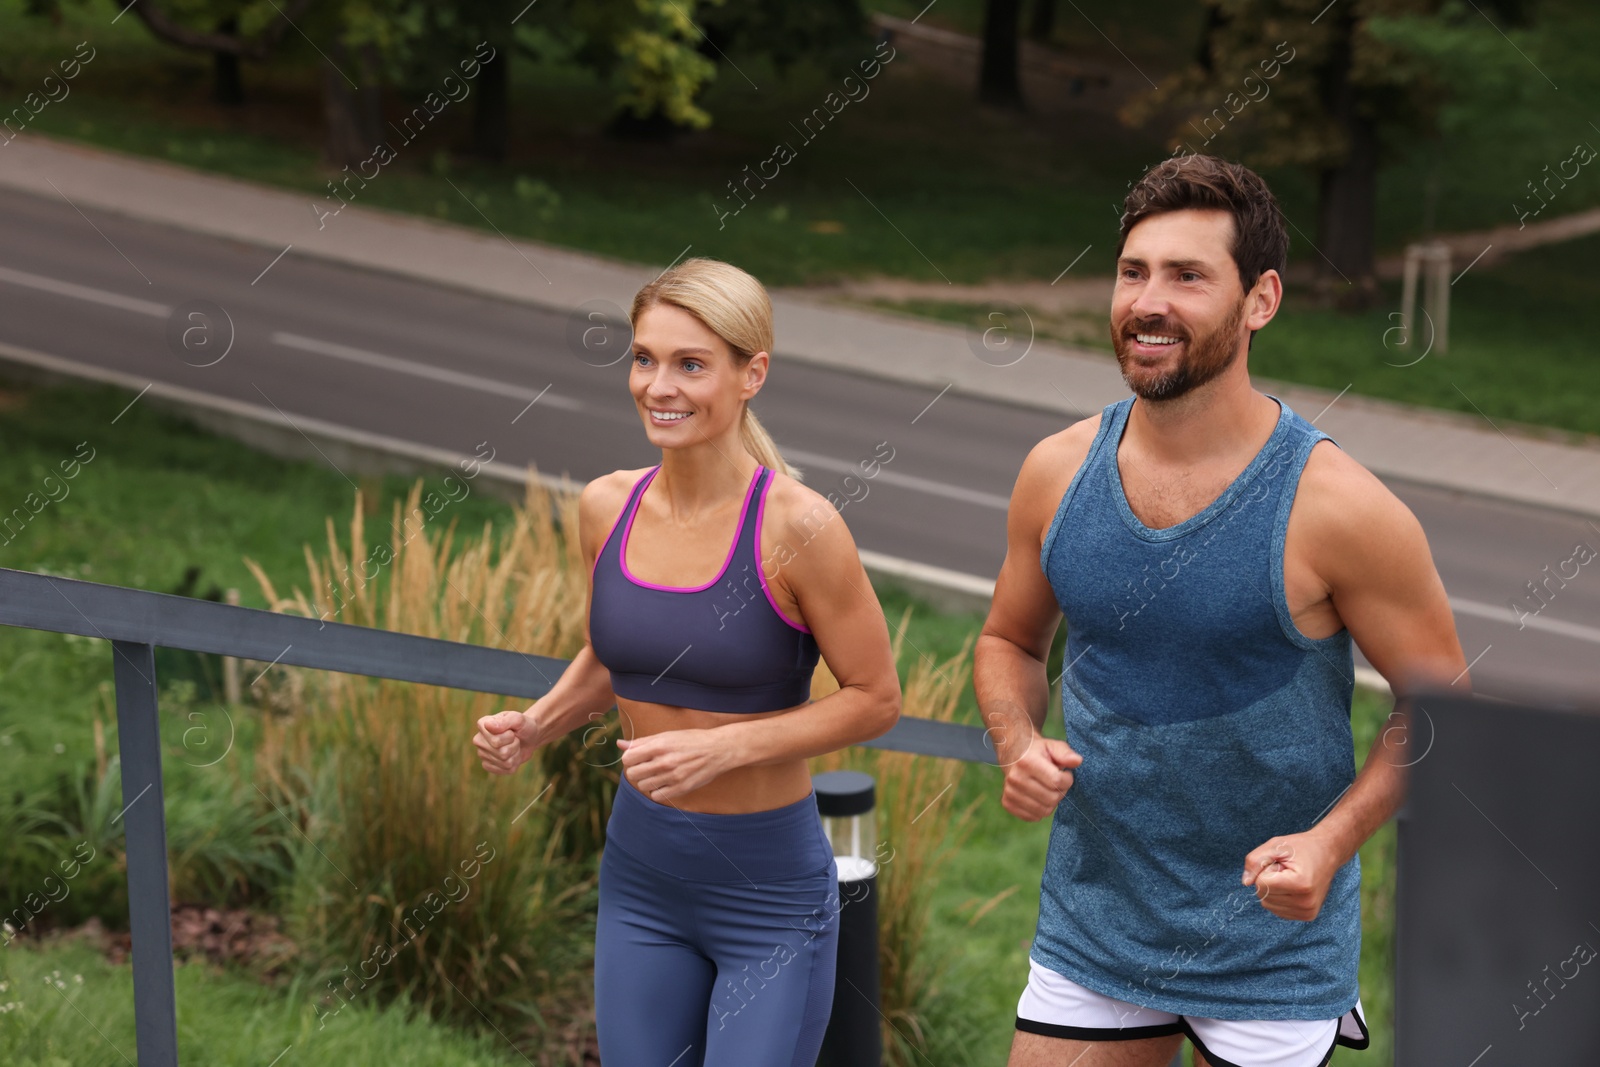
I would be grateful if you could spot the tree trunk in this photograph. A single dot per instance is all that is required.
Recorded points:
(353, 114)
(1346, 219)
(1215, 23)
(491, 115)
(655, 127)
(1347, 191)
(1042, 20)
(998, 82)
(227, 87)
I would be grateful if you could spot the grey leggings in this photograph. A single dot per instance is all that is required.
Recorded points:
(717, 936)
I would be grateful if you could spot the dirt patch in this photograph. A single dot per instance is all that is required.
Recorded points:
(1067, 295)
(220, 935)
(12, 398)
(1489, 246)
(1073, 310)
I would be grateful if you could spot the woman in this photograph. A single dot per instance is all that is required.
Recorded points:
(716, 581)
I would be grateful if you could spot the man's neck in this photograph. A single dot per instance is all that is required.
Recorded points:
(1221, 419)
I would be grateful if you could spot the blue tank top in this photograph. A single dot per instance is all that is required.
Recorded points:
(1208, 724)
(722, 646)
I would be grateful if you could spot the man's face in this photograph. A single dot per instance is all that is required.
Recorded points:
(1177, 308)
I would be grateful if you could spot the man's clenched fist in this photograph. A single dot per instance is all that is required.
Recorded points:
(1292, 875)
(1037, 780)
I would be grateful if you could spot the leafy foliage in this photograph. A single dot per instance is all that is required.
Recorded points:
(1288, 123)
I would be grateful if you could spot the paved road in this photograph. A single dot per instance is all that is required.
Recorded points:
(451, 369)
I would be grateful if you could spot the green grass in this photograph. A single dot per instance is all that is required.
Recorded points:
(161, 495)
(225, 1019)
(1520, 348)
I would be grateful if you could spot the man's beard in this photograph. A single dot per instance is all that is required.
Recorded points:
(1203, 358)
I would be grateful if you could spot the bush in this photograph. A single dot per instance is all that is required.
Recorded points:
(65, 860)
(418, 873)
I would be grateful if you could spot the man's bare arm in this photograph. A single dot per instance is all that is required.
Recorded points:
(1373, 557)
(1009, 676)
(1388, 593)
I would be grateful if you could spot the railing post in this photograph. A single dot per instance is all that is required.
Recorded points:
(230, 664)
(155, 1005)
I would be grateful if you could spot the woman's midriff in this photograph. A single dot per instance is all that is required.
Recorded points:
(742, 789)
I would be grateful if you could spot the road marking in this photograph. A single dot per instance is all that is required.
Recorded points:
(908, 481)
(349, 353)
(84, 292)
(423, 370)
(1496, 613)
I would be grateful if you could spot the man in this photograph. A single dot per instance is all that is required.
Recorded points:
(1214, 555)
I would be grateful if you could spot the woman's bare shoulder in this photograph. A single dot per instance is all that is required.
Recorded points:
(600, 504)
(795, 511)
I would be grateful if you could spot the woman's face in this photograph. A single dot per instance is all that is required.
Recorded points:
(684, 378)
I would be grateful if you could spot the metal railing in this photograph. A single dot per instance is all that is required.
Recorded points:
(136, 621)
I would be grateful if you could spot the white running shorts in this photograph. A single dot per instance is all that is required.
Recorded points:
(1055, 1006)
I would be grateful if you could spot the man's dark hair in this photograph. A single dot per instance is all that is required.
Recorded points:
(1260, 241)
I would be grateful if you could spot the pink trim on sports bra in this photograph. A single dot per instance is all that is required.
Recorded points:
(594, 568)
(761, 510)
(622, 551)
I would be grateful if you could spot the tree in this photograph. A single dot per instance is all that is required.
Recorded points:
(651, 51)
(829, 32)
(227, 80)
(661, 55)
(1042, 21)
(361, 41)
(368, 44)
(788, 31)
(225, 41)
(491, 115)
(453, 30)
(999, 81)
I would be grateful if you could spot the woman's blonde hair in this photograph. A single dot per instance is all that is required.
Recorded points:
(735, 307)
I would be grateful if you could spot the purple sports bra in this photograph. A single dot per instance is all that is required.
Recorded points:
(722, 646)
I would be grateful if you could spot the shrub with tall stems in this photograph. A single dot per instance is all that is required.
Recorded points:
(421, 872)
